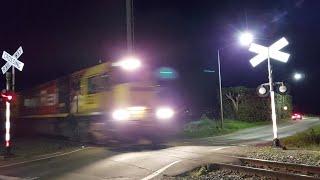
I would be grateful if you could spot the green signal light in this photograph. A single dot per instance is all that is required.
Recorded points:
(166, 73)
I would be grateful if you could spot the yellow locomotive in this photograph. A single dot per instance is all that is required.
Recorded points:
(113, 97)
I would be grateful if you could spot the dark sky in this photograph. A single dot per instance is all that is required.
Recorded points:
(60, 37)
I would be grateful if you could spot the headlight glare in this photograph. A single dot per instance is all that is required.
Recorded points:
(164, 113)
(120, 114)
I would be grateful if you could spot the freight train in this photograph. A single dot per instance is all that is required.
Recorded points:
(107, 101)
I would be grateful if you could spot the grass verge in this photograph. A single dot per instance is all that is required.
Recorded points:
(207, 127)
(31, 147)
(309, 139)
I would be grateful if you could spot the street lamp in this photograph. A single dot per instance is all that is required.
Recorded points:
(297, 76)
(245, 38)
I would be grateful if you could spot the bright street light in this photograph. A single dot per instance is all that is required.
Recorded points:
(246, 38)
(297, 76)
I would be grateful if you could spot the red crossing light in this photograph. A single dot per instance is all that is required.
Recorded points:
(7, 97)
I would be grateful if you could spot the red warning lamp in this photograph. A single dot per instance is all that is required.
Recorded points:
(7, 97)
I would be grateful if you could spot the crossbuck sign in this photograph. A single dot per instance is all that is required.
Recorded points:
(269, 52)
(12, 60)
(266, 53)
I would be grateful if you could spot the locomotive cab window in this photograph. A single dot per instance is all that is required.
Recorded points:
(98, 83)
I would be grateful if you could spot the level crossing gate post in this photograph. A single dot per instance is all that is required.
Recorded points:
(266, 53)
(11, 61)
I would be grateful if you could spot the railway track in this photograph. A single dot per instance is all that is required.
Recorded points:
(270, 169)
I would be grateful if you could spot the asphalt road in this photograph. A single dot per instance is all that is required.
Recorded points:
(144, 162)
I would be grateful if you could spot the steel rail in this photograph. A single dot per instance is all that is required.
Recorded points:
(262, 172)
(282, 166)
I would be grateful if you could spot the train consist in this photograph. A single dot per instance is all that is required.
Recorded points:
(97, 103)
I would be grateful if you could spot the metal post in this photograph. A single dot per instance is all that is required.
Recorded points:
(8, 77)
(220, 90)
(7, 114)
(276, 142)
(129, 26)
(13, 79)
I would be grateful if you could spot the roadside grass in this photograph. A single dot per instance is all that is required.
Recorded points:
(308, 139)
(207, 127)
(27, 147)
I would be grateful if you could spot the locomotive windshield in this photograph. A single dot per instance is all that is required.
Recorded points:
(119, 76)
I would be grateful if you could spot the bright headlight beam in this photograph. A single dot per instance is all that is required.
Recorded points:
(164, 113)
(129, 63)
(120, 114)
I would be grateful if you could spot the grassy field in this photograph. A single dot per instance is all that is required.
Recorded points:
(207, 127)
(309, 139)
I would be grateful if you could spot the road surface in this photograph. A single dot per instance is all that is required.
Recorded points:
(144, 162)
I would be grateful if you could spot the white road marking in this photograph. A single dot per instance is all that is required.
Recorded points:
(9, 177)
(49, 154)
(217, 149)
(156, 173)
(2, 177)
(39, 159)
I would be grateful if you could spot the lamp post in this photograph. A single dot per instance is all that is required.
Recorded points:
(245, 39)
(220, 89)
(298, 76)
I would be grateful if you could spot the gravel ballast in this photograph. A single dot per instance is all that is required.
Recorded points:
(218, 175)
(276, 154)
(295, 156)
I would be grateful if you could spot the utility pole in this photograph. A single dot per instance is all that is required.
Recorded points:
(220, 91)
(130, 35)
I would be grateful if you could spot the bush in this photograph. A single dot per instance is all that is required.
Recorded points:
(207, 127)
(253, 108)
(305, 139)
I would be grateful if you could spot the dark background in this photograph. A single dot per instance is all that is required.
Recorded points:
(60, 37)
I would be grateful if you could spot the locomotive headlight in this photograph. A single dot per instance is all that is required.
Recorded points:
(164, 113)
(120, 114)
(130, 63)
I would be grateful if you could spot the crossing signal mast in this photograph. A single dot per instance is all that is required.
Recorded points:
(7, 98)
(7, 95)
(266, 53)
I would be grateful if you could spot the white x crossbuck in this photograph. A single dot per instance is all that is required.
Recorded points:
(12, 60)
(269, 52)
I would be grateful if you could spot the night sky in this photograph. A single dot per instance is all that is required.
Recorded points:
(60, 37)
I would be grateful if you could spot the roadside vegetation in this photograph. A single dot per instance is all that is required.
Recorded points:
(206, 127)
(243, 108)
(35, 147)
(307, 140)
